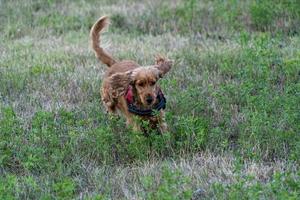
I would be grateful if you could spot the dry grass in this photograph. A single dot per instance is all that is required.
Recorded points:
(202, 171)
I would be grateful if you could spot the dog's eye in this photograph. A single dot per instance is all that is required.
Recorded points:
(152, 83)
(141, 84)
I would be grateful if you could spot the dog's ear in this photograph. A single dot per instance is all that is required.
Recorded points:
(163, 65)
(119, 83)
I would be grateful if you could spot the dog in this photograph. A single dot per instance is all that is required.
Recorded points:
(129, 88)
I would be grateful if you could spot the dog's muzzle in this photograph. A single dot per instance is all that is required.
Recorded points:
(161, 103)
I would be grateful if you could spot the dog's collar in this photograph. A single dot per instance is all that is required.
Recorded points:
(147, 112)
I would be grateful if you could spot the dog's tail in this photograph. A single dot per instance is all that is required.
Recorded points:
(95, 37)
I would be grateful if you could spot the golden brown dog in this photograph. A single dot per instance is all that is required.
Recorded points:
(130, 88)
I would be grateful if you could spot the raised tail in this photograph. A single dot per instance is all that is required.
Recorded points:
(101, 23)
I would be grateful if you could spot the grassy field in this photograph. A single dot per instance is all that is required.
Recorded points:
(233, 100)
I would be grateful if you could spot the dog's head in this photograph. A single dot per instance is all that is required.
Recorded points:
(143, 80)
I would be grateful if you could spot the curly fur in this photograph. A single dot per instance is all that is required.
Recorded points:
(121, 74)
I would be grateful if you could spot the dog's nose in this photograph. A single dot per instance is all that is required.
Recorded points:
(149, 99)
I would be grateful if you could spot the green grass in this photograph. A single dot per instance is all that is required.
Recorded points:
(232, 101)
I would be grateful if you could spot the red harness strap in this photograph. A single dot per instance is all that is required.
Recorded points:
(129, 95)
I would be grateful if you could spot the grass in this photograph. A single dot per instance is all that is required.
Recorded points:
(233, 101)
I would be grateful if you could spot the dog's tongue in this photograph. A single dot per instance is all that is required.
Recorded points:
(129, 95)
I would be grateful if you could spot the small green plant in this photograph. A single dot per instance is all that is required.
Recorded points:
(8, 187)
(262, 14)
(64, 189)
(282, 186)
(169, 186)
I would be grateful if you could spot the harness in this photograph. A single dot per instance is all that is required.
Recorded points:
(161, 103)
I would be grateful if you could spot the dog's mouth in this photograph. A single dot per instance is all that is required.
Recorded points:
(145, 109)
(149, 100)
(141, 100)
(144, 104)
(148, 103)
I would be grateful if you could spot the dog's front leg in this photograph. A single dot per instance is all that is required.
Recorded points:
(132, 123)
(163, 127)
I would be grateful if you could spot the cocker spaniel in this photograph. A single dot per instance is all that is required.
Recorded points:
(130, 88)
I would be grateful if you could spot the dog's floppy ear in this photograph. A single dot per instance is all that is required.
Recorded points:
(163, 65)
(119, 83)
